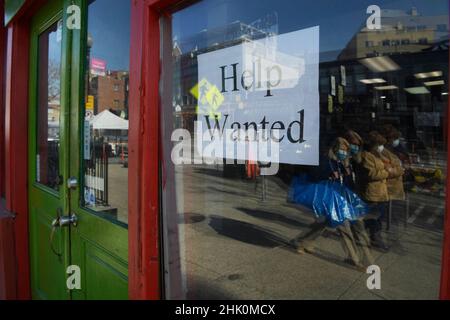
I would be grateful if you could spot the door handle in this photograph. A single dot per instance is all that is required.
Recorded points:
(60, 222)
(66, 221)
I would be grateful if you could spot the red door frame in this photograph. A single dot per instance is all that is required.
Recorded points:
(16, 155)
(143, 222)
(16, 139)
(445, 278)
(2, 98)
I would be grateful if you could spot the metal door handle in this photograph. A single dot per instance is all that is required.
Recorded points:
(59, 222)
(66, 221)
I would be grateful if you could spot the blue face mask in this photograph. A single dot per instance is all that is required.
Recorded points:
(396, 143)
(341, 155)
(354, 149)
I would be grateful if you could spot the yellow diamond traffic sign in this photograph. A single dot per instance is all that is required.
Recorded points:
(214, 97)
(209, 98)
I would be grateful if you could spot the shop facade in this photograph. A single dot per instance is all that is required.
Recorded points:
(109, 189)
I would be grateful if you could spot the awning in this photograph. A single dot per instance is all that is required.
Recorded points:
(106, 120)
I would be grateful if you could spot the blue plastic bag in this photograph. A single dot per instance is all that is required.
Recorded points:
(327, 199)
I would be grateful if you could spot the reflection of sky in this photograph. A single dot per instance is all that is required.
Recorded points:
(109, 26)
(339, 20)
(54, 53)
(109, 20)
(54, 49)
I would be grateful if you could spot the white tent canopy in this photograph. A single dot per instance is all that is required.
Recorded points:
(106, 120)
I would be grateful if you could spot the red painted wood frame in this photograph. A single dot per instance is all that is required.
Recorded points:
(16, 141)
(16, 123)
(145, 274)
(2, 99)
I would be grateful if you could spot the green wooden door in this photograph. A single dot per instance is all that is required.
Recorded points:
(96, 244)
(48, 146)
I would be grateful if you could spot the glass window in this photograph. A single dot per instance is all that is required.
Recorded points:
(49, 107)
(106, 109)
(358, 147)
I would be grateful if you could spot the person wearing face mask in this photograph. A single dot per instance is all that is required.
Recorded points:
(395, 143)
(356, 146)
(376, 169)
(337, 167)
(358, 225)
(395, 186)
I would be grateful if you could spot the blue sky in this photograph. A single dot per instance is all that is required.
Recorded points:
(109, 26)
(339, 20)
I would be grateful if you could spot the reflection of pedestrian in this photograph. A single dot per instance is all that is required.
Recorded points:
(340, 171)
(395, 143)
(375, 170)
(358, 226)
(394, 182)
(251, 165)
(203, 91)
(251, 169)
(214, 102)
(356, 146)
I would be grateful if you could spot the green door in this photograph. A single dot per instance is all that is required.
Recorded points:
(78, 245)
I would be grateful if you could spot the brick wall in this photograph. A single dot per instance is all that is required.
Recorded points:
(111, 93)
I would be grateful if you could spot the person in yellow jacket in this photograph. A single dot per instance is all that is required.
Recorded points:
(376, 170)
(396, 190)
(395, 185)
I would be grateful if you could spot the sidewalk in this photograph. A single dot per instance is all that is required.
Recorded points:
(238, 247)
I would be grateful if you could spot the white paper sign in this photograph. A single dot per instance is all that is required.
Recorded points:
(266, 85)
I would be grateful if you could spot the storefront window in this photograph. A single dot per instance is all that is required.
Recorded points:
(106, 109)
(352, 99)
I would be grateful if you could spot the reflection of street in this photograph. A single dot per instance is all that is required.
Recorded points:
(239, 247)
(118, 196)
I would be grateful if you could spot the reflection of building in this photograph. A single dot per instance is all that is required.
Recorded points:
(54, 109)
(363, 104)
(401, 32)
(368, 104)
(186, 52)
(110, 92)
(394, 87)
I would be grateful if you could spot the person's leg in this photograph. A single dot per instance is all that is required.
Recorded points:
(349, 244)
(363, 239)
(374, 226)
(307, 242)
